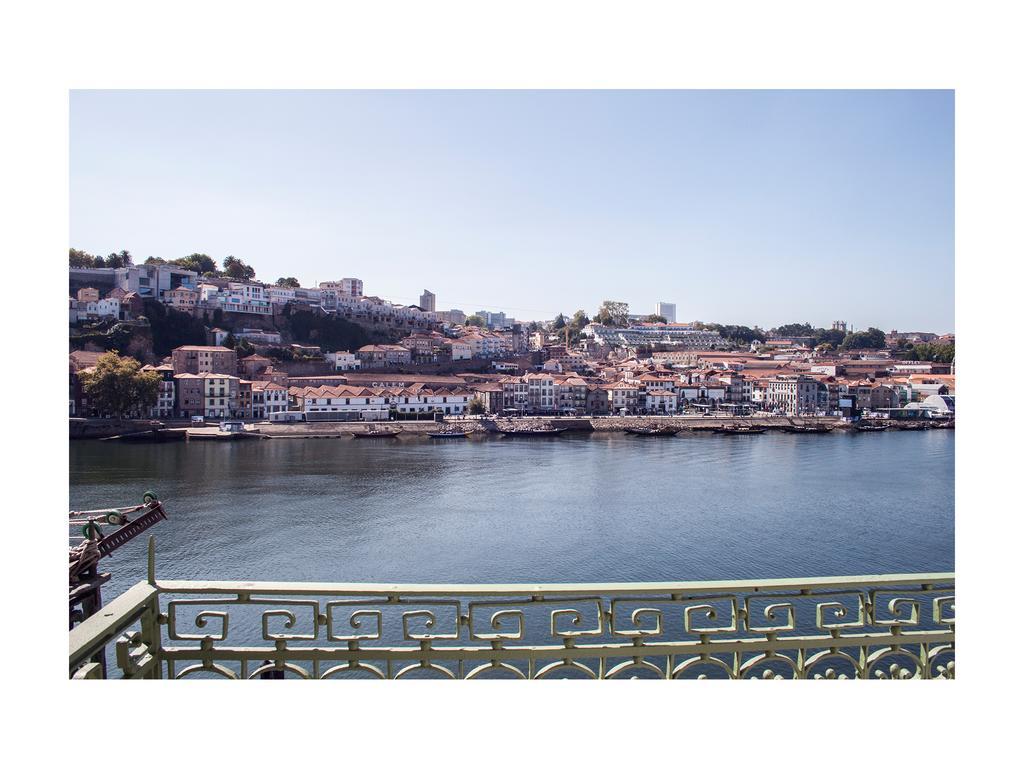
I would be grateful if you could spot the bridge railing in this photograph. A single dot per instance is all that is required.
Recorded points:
(893, 626)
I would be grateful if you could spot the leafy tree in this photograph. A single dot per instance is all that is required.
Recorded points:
(831, 336)
(476, 407)
(288, 282)
(154, 260)
(117, 386)
(80, 259)
(118, 260)
(476, 320)
(655, 319)
(559, 322)
(794, 329)
(872, 338)
(533, 327)
(197, 262)
(236, 269)
(579, 320)
(244, 348)
(613, 313)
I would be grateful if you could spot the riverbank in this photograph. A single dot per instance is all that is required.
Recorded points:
(100, 428)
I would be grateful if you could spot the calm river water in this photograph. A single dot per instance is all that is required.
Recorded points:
(583, 508)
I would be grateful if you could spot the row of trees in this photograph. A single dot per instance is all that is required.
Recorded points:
(830, 338)
(80, 259)
(232, 266)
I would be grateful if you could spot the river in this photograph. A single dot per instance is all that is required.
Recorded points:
(597, 507)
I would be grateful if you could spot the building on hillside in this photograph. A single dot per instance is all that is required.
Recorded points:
(343, 361)
(220, 395)
(348, 286)
(666, 310)
(428, 301)
(166, 397)
(660, 401)
(795, 395)
(189, 394)
(203, 359)
(181, 298)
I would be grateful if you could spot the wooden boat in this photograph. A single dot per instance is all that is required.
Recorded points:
(740, 429)
(148, 436)
(808, 429)
(912, 426)
(868, 427)
(446, 434)
(377, 433)
(532, 432)
(943, 424)
(653, 431)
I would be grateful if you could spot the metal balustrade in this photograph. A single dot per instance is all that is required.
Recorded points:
(895, 626)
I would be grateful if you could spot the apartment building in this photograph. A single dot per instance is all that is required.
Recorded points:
(795, 395)
(204, 359)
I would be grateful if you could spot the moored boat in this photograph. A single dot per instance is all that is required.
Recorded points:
(374, 432)
(740, 429)
(868, 427)
(446, 434)
(663, 430)
(808, 429)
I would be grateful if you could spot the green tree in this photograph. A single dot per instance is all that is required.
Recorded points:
(118, 260)
(288, 282)
(794, 329)
(579, 320)
(655, 319)
(476, 320)
(197, 262)
(154, 260)
(117, 386)
(237, 269)
(872, 338)
(80, 259)
(476, 407)
(559, 322)
(613, 313)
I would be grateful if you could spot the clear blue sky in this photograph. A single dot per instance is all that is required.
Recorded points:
(749, 207)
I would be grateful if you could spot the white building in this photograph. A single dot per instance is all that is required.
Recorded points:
(666, 310)
(347, 286)
(343, 361)
(245, 297)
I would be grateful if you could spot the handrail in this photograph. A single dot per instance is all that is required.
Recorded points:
(603, 588)
(99, 629)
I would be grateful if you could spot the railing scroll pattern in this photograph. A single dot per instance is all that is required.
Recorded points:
(872, 627)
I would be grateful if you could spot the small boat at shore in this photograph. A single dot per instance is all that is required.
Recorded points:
(869, 427)
(912, 426)
(531, 432)
(740, 429)
(446, 434)
(653, 430)
(808, 429)
(373, 432)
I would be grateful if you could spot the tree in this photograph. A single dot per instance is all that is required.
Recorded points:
(476, 320)
(80, 259)
(794, 329)
(117, 386)
(197, 262)
(236, 269)
(118, 260)
(476, 407)
(579, 320)
(559, 322)
(613, 313)
(872, 338)
(154, 260)
(288, 282)
(655, 319)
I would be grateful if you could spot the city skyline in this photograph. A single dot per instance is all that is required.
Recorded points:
(534, 203)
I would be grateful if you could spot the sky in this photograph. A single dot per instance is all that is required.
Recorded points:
(740, 207)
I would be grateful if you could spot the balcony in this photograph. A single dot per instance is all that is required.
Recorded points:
(898, 626)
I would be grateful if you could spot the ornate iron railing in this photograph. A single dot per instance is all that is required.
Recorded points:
(891, 627)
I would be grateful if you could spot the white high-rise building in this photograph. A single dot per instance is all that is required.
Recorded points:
(666, 310)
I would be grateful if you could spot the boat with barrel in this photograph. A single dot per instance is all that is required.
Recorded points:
(808, 429)
(653, 430)
(740, 429)
(376, 432)
(871, 426)
(447, 433)
(531, 430)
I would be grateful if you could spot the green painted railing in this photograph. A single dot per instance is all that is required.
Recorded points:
(893, 626)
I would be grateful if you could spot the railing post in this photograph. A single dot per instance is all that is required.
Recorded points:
(150, 622)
